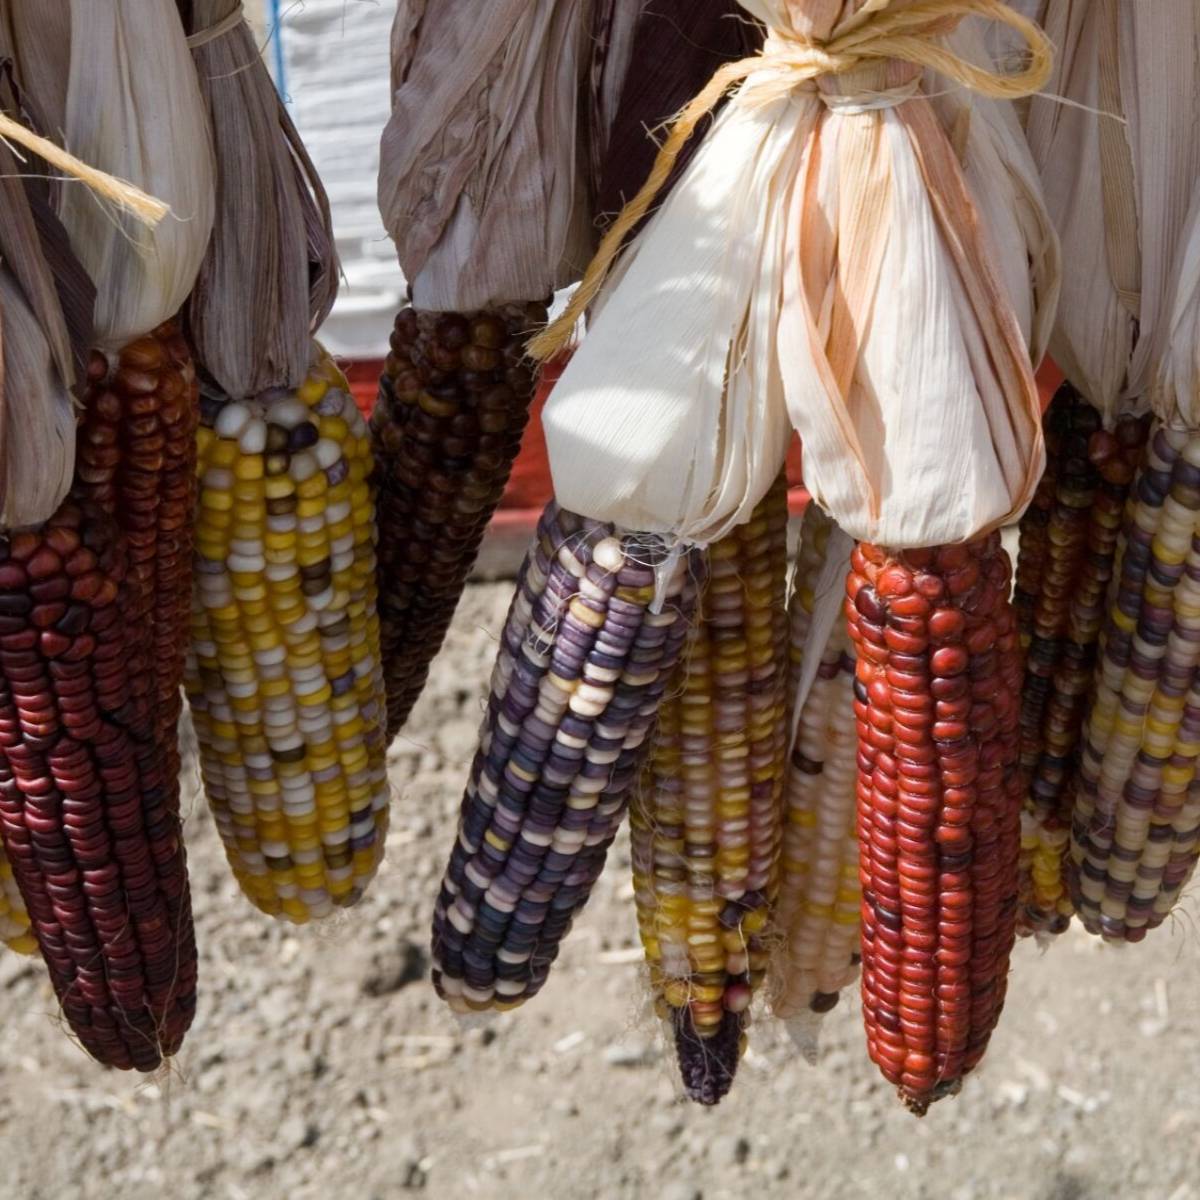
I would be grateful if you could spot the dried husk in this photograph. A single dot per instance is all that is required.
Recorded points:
(615, 29)
(482, 180)
(270, 276)
(134, 110)
(39, 35)
(675, 48)
(37, 418)
(1118, 161)
(1175, 394)
(827, 264)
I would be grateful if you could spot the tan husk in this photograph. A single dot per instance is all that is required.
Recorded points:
(1175, 395)
(134, 110)
(37, 418)
(825, 258)
(614, 25)
(1117, 162)
(271, 273)
(480, 180)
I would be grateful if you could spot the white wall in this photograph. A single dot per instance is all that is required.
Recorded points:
(336, 73)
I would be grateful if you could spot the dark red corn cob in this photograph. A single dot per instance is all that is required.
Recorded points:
(88, 809)
(453, 404)
(939, 801)
(137, 461)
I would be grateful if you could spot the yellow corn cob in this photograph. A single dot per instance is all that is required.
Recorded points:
(15, 931)
(707, 824)
(284, 674)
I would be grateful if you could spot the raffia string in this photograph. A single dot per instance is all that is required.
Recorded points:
(125, 196)
(785, 64)
(227, 24)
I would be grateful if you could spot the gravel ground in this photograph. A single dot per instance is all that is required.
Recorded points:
(322, 1066)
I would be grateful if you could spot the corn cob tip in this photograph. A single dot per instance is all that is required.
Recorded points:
(919, 1105)
(708, 1065)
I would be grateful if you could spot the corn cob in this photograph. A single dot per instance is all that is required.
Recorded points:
(453, 403)
(1135, 828)
(15, 932)
(1033, 547)
(707, 818)
(939, 800)
(283, 672)
(818, 909)
(137, 462)
(1093, 470)
(575, 692)
(88, 807)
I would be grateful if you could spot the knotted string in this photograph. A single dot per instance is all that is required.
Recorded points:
(227, 24)
(788, 62)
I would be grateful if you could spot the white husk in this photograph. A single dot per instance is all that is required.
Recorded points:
(37, 421)
(134, 110)
(480, 183)
(1117, 186)
(826, 266)
(1175, 396)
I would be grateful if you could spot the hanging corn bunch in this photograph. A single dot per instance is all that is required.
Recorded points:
(707, 815)
(485, 233)
(1117, 163)
(89, 792)
(939, 801)
(817, 915)
(584, 662)
(861, 215)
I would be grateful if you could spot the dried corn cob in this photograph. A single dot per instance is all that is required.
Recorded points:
(1093, 470)
(819, 899)
(283, 671)
(1135, 830)
(582, 668)
(137, 461)
(707, 819)
(939, 800)
(15, 932)
(453, 403)
(87, 803)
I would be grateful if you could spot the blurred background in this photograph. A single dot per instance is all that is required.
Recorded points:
(322, 1066)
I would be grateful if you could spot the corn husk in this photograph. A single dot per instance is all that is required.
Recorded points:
(46, 302)
(1117, 161)
(615, 25)
(675, 48)
(133, 109)
(1175, 394)
(37, 419)
(823, 263)
(39, 38)
(482, 180)
(270, 276)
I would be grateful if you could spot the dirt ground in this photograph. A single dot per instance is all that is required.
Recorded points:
(321, 1066)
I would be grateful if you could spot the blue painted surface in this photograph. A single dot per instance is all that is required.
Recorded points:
(276, 35)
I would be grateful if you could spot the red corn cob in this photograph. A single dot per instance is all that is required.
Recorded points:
(88, 808)
(939, 800)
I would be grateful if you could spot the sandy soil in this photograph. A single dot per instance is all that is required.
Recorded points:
(321, 1065)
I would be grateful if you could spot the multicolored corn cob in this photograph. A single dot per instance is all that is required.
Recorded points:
(1135, 829)
(453, 403)
(939, 802)
(819, 900)
(15, 932)
(283, 672)
(707, 817)
(88, 803)
(136, 460)
(583, 664)
(1092, 472)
